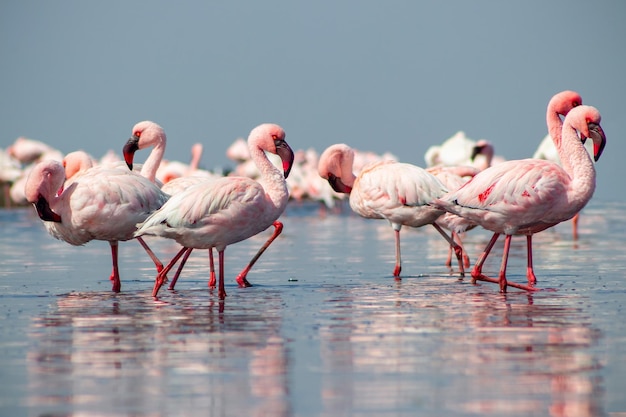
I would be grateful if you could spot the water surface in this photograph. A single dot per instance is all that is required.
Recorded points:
(325, 331)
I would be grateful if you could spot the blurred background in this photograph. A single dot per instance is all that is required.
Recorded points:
(393, 76)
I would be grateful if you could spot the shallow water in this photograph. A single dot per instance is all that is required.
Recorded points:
(325, 331)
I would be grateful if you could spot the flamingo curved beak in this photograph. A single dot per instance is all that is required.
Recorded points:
(286, 155)
(596, 134)
(476, 150)
(338, 185)
(132, 145)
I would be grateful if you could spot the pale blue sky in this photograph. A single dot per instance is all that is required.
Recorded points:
(393, 76)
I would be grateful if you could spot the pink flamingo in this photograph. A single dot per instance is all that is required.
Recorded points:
(100, 203)
(390, 190)
(149, 134)
(527, 196)
(215, 214)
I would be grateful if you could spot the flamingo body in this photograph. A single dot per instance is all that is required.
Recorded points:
(98, 204)
(527, 196)
(217, 213)
(397, 192)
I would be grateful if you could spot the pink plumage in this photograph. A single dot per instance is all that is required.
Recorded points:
(215, 214)
(527, 196)
(98, 204)
(397, 192)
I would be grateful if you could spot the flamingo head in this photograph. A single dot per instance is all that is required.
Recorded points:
(271, 138)
(145, 134)
(586, 120)
(335, 166)
(42, 186)
(565, 101)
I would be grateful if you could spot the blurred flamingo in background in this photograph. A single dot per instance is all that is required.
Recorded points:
(527, 196)
(215, 214)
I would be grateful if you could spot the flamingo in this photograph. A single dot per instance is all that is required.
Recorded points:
(147, 134)
(98, 204)
(215, 214)
(397, 192)
(527, 196)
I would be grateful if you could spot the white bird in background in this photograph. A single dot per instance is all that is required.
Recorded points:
(459, 150)
(98, 204)
(390, 190)
(215, 214)
(527, 196)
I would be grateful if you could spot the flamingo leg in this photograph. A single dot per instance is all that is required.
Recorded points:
(157, 262)
(458, 250)
(180, 268)
(221, 291)
(162, 276)
(466, 259)
(502, 281)
(241, 278)
(530, 273)
(398, 267)
(505, 258)
(477, 271)
(575, 226)
(115, 274)
(212, 269)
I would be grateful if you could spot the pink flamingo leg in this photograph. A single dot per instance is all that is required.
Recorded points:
(221, 291)
(530, 273)
(212, 269)
(180, 268)
(458, 251)
(477, 271)
(157, 262)
(575, 226)
(502, 281)
(115, 274)
(241, 278)
(466, 259)
(505, 258)
(398, 267)
(162, 276)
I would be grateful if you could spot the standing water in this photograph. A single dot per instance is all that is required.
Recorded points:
(325, 331)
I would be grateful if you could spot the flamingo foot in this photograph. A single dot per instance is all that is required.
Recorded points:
(158, 283)
(396, 272)
(212, 280)
(117, 285)
(503, 283)
(243, 281)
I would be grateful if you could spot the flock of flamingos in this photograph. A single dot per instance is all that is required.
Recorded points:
(464, 185)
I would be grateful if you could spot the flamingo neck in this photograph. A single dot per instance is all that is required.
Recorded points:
(150, 167)
(271, 178)
(577, 163)
(555, 128)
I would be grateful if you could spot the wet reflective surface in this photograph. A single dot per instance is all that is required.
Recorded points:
(325, 331)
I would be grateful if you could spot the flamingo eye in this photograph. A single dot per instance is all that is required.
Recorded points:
(274, 137)
(137, 133)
